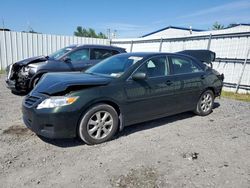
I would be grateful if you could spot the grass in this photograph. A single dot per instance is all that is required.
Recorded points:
(2, 71)
(236, 96)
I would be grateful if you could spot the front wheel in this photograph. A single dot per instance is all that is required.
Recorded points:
(98, 124)
(35, 81)
(205, 103)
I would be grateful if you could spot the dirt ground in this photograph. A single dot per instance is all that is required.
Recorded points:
(178, 151)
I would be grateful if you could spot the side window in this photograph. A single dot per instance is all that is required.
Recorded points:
(182, 66)
(99, 54)
(79, 55)
(155, 67)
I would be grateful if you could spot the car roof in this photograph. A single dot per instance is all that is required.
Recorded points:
(146, 54)
(149, 54)
(98, 46)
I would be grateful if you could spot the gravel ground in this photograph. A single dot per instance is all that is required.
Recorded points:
(179, 151)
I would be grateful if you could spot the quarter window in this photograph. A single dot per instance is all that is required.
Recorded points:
(155, 67)
(182, 66)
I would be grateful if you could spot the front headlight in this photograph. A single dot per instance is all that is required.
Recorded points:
(53, 102)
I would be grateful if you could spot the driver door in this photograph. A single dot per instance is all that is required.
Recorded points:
(152, 97)
(79, 60)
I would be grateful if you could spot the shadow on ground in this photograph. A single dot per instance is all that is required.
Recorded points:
(73, 142)
(158, 122)
(63, 142)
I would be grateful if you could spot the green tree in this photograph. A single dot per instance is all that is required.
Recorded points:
(102, 35)
(82, 32)
(232, 25)
(217, 26)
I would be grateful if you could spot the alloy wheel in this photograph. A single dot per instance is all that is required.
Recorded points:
(206, 102)
(100, 125)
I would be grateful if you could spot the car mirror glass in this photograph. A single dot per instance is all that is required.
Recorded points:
(139, 76)
(67, 59)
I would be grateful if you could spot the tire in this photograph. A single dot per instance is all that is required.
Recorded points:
(98, 124)
(205, 103)
(35, 81)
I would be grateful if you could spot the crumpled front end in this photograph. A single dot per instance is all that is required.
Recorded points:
(18, 77)
(20, 73)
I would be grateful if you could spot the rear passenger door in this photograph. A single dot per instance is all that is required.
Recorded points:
(188, 79)
(98, 54)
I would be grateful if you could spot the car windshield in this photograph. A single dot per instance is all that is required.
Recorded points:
(56, 55)
(114, 66)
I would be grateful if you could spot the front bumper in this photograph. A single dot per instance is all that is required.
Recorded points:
(58, 122)
(10, 84)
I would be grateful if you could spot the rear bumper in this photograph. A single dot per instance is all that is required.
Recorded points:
(217, 91)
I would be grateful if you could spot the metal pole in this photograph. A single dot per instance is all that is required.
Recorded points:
(242, 71)
(131, 46)
(209, 41)
(160, 47)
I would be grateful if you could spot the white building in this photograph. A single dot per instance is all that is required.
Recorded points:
(173, 32)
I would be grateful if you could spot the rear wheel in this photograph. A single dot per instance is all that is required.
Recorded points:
(98, 124)
(205, 103)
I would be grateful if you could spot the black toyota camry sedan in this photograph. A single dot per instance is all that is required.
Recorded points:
(22, 76)
(119, 91)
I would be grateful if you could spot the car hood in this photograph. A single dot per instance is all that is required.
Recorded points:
(28, 61)
(52, 83)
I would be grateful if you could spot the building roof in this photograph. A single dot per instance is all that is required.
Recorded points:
(235, 25)
(187, 29)
(172, 27)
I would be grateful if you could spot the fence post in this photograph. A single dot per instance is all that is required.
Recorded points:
(160, 47)
(131, 46)
(242, 71)
(209, 41)
(1, 56)
(11, 48)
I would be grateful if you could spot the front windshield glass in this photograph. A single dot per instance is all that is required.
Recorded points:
(56, 55)
(114, 66)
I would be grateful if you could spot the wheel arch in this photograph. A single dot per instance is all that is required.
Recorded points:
(38, 74)
(110, 102)
(209, 88)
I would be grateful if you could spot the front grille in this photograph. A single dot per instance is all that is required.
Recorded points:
(31, 100)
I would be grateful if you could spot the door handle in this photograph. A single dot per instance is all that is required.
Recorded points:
(169, 82)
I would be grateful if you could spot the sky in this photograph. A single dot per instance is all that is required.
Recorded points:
(131, 18)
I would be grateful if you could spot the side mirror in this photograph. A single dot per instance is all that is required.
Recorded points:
(67, 59)
(139, 76)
